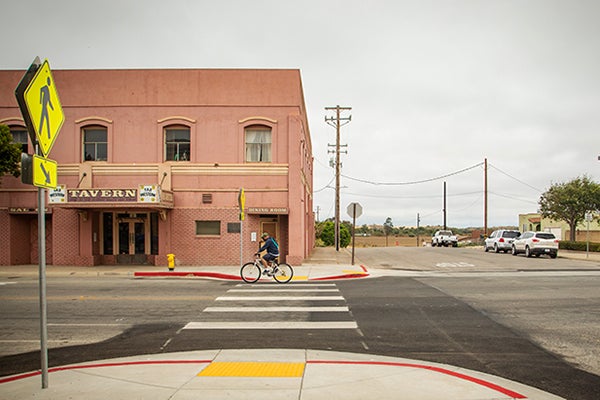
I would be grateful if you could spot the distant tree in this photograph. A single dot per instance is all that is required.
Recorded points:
(10, 154)
(388, 228)
(328, 234)
(570, 201)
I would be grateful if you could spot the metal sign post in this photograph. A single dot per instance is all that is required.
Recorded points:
(43, 115)
(42, 279)
(354, 210)
(588, 218)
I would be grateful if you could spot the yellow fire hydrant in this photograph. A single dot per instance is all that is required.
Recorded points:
(171, 261)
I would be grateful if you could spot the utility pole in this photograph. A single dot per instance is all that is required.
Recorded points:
(418, 221)
(485, 199)
(444, 205)
(337, 122)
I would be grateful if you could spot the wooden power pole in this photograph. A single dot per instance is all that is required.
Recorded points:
(337, 122)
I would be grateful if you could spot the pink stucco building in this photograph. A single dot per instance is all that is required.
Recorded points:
(151, 162)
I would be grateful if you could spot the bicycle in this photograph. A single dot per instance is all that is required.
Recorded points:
(251, 272)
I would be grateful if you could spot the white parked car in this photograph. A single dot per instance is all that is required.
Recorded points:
(444, 238)
(536, 243)
(500, 240)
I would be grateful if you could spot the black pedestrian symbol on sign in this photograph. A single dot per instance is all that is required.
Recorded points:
(45, 101)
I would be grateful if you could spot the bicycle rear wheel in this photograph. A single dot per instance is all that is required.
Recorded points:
(284, 273)
(250, 272)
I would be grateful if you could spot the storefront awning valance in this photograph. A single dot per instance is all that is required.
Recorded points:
(144, 196)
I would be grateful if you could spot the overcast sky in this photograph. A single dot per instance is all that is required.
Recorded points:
(435, 86)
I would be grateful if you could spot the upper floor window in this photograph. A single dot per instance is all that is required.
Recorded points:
(177, 143)
(95, 143)
(258, 144)
(20, 135)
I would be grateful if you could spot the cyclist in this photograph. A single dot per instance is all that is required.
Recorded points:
(272, 248)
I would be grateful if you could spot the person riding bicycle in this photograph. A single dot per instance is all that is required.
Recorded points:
(272, 248)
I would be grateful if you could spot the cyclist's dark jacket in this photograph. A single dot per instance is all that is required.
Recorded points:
(270, 246)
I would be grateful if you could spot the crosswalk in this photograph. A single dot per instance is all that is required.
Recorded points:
(271, 306)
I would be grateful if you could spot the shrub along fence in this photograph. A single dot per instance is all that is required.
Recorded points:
(579, 246)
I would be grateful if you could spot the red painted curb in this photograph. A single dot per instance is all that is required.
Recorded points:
(345, 276)
(216, 275)
(444, 371)
(472, 379)
(103, 365)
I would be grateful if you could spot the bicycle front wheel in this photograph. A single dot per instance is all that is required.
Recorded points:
(284, 273)
(250, 272)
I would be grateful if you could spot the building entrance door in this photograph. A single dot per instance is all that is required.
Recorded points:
(132, 238)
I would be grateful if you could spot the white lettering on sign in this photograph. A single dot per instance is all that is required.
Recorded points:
(103, 195)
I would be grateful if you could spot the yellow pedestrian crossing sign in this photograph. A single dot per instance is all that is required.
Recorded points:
(45, 172)
(44, 108)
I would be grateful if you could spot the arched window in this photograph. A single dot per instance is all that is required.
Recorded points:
(177, 143)
(258, 143)
(95, 143)
(19, 134)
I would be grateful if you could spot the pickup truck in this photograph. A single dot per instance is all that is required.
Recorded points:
(444, 238)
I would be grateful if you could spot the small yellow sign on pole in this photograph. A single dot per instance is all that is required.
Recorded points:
(45, 172)
(44, 108)
(242, 203)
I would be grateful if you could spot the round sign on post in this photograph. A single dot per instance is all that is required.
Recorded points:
(354, 210)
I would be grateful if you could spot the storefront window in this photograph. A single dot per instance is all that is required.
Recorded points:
(107, 234)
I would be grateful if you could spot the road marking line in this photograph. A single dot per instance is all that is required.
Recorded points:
(116, 325)
(277, 298)
(253, 290)
(294, 285)
(276, 309)
(273, 325)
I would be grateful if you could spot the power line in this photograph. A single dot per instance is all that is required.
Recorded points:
(325, 187)
(513, 198)
(434, 196)
(516, 179)
(413, 182)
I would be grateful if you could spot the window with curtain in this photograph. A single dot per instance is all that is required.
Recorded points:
(95, 143)
(258, 144)
(177, 143)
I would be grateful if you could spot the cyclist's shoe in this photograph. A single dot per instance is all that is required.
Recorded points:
(268, 272)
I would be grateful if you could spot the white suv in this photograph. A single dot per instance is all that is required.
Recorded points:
(536, 243)
(500, 240)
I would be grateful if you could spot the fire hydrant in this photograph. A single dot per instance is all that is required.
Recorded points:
(171, 261)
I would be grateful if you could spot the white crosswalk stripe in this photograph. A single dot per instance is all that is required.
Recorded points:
(295, 306)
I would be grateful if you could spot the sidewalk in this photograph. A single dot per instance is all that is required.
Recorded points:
(265, 373)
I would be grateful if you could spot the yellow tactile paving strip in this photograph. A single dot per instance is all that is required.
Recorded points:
(254, 369)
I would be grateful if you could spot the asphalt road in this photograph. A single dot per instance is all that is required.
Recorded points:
(535, 321)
